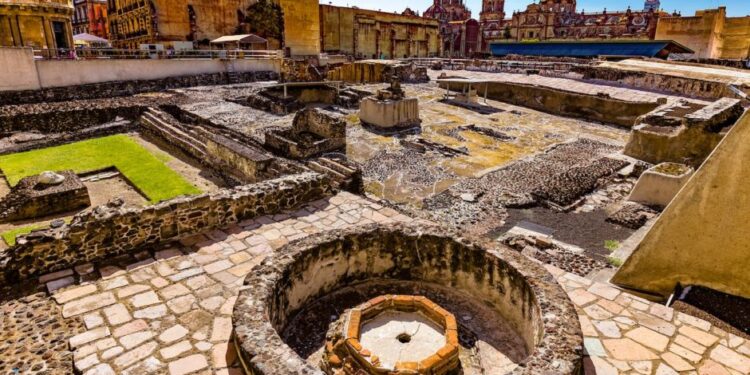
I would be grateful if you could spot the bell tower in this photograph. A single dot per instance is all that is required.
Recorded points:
(492, 10)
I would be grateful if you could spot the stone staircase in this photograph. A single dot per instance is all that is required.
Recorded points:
(346, 174)
(232, 75)
(165, 127)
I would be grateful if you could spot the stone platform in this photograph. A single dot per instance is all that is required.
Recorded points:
(170, 311)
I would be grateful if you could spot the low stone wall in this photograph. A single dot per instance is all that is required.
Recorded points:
(373, 71)
(696, 88)
(601, 108)
(68, 121)
(31, 199)
(125, 88)
(108, 231)
(688, 139)
(314, 131)
(521, 293)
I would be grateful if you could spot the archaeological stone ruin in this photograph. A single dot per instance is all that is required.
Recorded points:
(274, 212)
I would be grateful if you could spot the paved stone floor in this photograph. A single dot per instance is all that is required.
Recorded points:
(171, 312)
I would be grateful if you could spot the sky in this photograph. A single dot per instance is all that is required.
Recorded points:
(687, 7)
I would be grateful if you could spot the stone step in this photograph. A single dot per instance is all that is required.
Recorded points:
(314, 165)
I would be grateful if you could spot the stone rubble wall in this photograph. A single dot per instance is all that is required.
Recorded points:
(696, 88)
(691, 141)
(126, 88)
(50, 140)
(600, 108)
(112, 230)
(29, 199)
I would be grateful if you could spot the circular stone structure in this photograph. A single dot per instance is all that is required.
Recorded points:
(511, 316)
(393, 335)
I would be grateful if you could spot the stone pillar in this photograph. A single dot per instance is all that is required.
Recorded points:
(15, 29)
(49, 39)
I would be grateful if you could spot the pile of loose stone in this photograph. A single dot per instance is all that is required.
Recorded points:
(550, 253)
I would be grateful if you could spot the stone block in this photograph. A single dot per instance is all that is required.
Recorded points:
(390, 114)
(659, 185)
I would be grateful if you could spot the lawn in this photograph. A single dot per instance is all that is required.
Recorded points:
(10, 236)
(144, 170)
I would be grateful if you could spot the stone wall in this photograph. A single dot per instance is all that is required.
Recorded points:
(710, 33)
(518, 291)
(373, 71)
(683, 86)
(314, 131)
(108, 231)
(688, 139)
(125, 88)
(31, 199)
(601, 108)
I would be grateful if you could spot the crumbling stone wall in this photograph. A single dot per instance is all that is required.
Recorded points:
(314, 131)
(601, 108)
(31, 199)
(696, 88)
(373, 71)
(522, 293)
(108, 231)
(126, 88)
(687, 139)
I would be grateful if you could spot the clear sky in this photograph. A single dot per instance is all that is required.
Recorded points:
(687, 7)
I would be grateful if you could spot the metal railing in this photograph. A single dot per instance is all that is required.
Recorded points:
(124, 54)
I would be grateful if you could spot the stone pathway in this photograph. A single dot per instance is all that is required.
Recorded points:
(625, 334)
(171, 311)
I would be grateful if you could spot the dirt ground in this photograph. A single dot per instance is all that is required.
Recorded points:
(186, 166)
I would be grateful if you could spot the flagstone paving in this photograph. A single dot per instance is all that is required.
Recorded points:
(171, 311)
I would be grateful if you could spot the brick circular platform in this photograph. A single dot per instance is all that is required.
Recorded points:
(520, 291)
(394, 335)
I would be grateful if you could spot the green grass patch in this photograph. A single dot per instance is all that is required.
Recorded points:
(611, 245)
(142, 168)
(10, 236)
(615, 262)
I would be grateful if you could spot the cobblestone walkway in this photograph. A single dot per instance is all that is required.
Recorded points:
(171, 311)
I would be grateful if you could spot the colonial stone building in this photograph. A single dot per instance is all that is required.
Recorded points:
(453, 16)
(135, 22)
(710, 33)
(41, 24)
(559, 19)
(90, 17)
(373, 34)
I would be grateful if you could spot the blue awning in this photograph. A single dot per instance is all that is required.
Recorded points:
(643, 48)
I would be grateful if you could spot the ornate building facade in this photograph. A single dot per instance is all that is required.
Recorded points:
(560, 19)
(41, 24)
(90, 16)
(454, 18)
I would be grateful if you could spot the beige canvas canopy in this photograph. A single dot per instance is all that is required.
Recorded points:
(248, 41)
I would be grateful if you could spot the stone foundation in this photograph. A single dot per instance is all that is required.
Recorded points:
(682, 135)
(126, 88)
(658, 185)
(298, 96)
(372, 71)
(696, 88)
(517, 290)
(313, 132)
(108, 231)
(389, 114)
(600, 108)
(31, 199)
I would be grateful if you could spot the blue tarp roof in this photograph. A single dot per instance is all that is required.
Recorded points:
(644, 48)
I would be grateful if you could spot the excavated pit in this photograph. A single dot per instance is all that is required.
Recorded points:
(512, 317)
